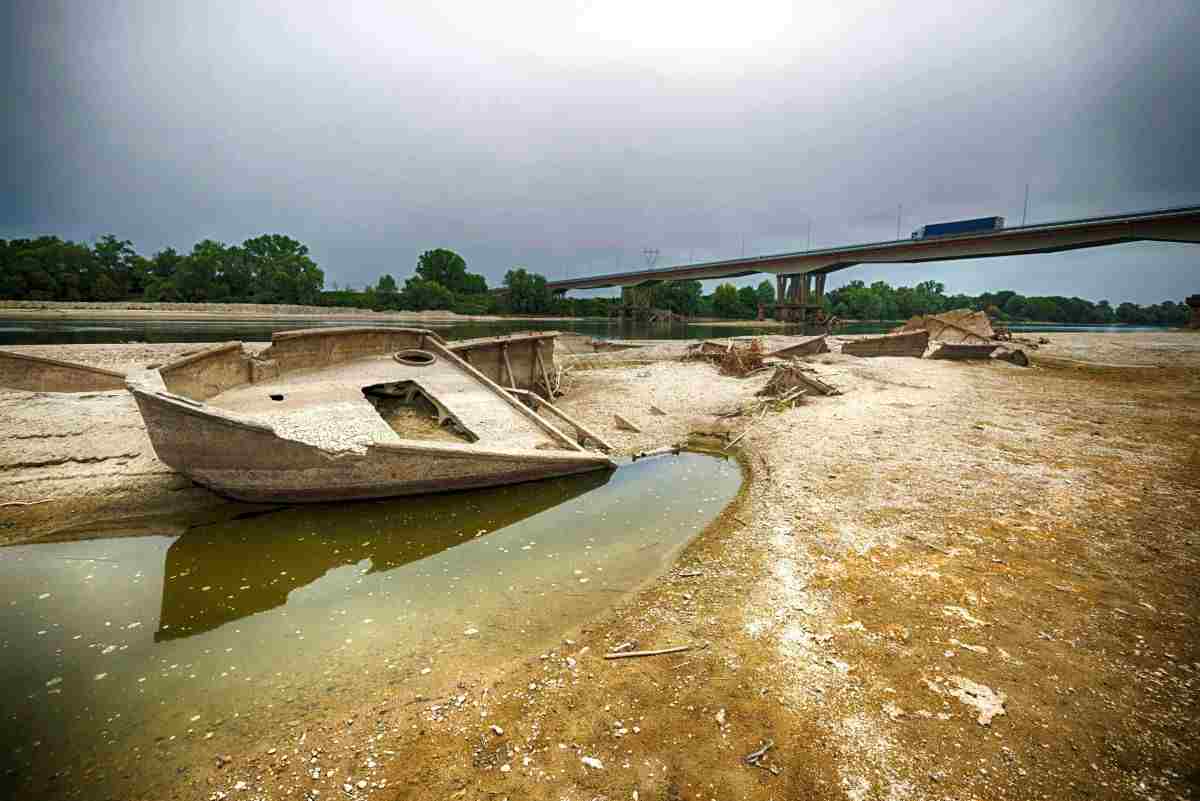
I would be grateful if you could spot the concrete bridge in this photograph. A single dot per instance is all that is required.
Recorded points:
(800, 276)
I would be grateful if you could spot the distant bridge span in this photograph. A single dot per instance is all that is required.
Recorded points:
(800, 276)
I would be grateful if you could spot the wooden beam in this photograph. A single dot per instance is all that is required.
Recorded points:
(545, 373)
(512, 377)
(541, 402)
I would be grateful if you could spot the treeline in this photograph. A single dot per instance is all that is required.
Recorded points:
(442, 282)
(687, 298)
(881, 301)
(266, 269)
(277, 269)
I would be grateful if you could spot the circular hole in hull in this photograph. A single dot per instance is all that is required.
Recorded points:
(415, 357)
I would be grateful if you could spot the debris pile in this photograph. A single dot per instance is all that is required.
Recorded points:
(731, 358)
(957, 335)
(789, 377)
(959, 327)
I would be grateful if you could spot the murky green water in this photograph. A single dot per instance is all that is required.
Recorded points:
(125, 661)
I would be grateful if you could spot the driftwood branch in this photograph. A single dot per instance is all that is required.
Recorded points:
(631, 654)
(25, 503)
(657, 452)
(753, 757)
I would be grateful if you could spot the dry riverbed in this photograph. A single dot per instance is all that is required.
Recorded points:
(952, 581)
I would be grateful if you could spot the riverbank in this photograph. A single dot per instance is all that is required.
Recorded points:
(50, 310)
(939, 536)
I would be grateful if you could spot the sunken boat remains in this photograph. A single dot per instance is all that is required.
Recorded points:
(348, 413)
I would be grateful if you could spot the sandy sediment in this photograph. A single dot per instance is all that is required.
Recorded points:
(955, 580)
(225, 311)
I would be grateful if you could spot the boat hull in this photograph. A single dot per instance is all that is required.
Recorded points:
(248, 461)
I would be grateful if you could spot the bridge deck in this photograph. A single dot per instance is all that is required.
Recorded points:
(1169, 225)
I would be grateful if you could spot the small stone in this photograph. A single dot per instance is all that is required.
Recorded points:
(505, 768)
(362, 784)
(240, 786)
(592, 762)
(426, 671)
(496, 730)
(721, 717)
(470, 632)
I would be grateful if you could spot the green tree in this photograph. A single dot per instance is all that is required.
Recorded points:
(681, 297)
(114, 257)
(748, 301)
(420, 295)
(445, 267)
(282, 270)
(527, 292)
(725, 301)
(766, 293)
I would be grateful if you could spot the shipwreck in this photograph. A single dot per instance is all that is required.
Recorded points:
(351, 413)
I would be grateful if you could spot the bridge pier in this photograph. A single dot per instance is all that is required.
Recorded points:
(798, 297)
(1194, 303)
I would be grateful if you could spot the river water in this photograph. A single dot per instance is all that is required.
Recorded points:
(126, 660)
(66, 331)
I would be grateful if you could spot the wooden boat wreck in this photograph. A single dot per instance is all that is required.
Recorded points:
(21, 371)
(348, 413)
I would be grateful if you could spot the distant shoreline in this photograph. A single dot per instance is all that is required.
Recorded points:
(51, 310)
(55, 310)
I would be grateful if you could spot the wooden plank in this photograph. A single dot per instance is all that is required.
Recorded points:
(542, 403)
(805, 347)
(545, 373)
(512, 377)
(959, 351)
(907, 344)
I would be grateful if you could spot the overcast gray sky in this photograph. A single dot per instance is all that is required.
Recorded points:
(569, 136)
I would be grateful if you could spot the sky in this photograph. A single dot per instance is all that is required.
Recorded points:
(570, 136)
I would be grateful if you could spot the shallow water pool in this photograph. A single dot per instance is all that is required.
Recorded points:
(126, 660)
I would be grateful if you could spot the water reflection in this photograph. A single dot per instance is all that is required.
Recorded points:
(218, 573)
(126, 660)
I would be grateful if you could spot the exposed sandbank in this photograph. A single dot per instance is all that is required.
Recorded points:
(884, 539)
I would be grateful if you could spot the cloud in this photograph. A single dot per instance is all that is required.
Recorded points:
(568, 137)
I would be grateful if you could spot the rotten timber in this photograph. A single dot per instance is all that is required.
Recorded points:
(809, 346)
(965, 352)
(911, 344)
